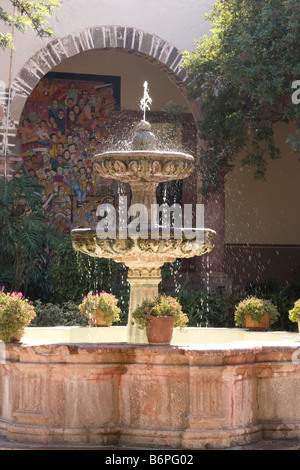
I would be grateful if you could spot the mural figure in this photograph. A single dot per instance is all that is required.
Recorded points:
(65, 122)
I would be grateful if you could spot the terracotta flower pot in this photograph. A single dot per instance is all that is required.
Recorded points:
(98, 319)
(159, 330)
(258, 326)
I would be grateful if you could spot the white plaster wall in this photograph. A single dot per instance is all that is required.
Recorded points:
(265, 212)
(5, 56)
(179, 22)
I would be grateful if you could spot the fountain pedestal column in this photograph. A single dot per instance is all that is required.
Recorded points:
(144, 284)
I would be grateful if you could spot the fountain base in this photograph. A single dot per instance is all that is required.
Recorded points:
(183, 397)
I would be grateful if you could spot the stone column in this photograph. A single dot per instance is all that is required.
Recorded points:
(144, 193)
(214, 274)
(143, 283)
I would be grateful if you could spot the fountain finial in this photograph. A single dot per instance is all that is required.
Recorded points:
(144, 139)
(145, 101)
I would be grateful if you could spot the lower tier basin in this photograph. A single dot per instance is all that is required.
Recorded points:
(186, 336)
(215, 388)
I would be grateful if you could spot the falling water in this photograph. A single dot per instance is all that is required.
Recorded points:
(145, 101)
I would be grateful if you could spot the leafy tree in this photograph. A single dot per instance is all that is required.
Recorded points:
(243, 75)
(25, 237)
(27, 14)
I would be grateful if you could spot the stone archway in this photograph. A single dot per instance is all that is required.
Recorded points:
(155, 50)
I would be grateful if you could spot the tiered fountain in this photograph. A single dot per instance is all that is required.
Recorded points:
(143, 167)
(59, 387)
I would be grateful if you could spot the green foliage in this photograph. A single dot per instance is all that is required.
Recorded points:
(16, 313)
(256, 309)
(283, 297)
(161, 305)
(74, 274)
(49, 314)
(294, 313)
(28, 14)
(243, 75)
(209, 309)
(25, 236)
(216, 309)
(104, 302)
(143, 312)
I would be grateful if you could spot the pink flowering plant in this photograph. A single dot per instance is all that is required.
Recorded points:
(294, 313)
(16, 313)
(256, 309)
(161, 305)
(93, 304)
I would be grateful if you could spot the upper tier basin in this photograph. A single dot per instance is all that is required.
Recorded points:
(144, 165)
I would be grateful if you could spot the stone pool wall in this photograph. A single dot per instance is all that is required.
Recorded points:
(174, 396)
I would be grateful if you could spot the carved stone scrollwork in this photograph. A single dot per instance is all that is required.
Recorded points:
(133, 166)
(153, 252)
(156, 167)
(119, 167)
(98, 168)
(156, 246)
(169, 168)
(151, 166)
(152, 272)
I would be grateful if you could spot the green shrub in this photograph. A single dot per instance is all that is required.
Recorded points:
(284, 301)
(74, 274)
(294, 313)
(66, 314)
(25, 237)
(216, 309)
(209, 309)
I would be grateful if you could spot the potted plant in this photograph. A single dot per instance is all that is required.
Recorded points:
(101, 308)
(255, 314)
(16, 313)
(159, 316)
(294, 313)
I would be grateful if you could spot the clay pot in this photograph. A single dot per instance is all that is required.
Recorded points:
(258, 326)
(159, 330)
(98, 319)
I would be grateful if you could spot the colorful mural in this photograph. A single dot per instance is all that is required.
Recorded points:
(65, 122)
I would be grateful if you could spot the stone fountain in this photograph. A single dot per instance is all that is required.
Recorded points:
(212, 388)
(144, 252)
